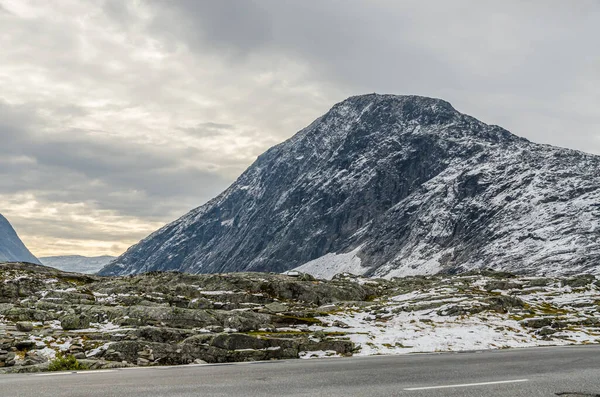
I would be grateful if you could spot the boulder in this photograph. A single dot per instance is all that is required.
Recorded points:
(74, 322)
(582, 280)
(24, 326)
(504, 304)
(537, 322)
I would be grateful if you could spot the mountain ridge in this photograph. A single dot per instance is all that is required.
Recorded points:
(77, 263)
(369, 173)
(12, 248)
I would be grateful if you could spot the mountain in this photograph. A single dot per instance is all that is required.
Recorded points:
(389, 185)
(77, 263)
(12, 248)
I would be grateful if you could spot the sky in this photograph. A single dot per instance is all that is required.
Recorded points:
(119, 116)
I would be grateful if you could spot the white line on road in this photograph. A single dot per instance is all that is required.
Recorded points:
(101, 371)
(467, 385)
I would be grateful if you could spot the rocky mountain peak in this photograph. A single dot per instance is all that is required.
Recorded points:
(406, 107)
(391, 185)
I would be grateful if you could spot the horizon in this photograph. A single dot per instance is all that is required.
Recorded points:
(118, 118)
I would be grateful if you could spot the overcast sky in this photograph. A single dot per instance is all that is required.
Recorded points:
(119, 116)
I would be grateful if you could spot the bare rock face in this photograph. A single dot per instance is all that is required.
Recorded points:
(386, 185)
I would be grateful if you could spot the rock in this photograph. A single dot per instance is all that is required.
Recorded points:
(25, 345)
(504, 304)
(537, 322)
(24, 326)
(276, 307)
(6, 344)
(579, 281)
(455, 310)
(28, 314)
(198, 361)
(113, 355)
(146, 354)
(264, 316)
(340, 324)
(75, 348)
(327, 308)
(342, 347)
(217, 329)
(200, 303)
(539, 282)
(33, 358)
(245, 321)
(545, 331)
(8, 356)
(163, 334)
(142, 362)
(74, 322)
(238, 342)
(199, 340)
(103, 364)
(173, 317)
(501, 285)
(299, 275)
(29, 368)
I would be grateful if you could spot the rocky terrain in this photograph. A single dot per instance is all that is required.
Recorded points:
(12, 248)
(48, 316)
(385, 186)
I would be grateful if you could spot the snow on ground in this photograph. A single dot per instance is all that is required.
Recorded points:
(458, 316)
(329, 265)
(319, 354)
(422, 331)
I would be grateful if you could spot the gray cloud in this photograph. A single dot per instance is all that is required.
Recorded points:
(510, 63)
(75, 166)
(118, 116)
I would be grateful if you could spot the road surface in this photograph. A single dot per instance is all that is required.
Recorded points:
(519, 372)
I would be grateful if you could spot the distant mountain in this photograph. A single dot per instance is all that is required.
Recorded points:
(77, 263)
(387, 185)
(12, 248)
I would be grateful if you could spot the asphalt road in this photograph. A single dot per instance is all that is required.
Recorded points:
(514, 373)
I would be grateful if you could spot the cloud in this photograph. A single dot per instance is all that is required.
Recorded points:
(133, 112)
(525, 65)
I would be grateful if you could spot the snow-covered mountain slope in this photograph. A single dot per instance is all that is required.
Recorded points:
(77, 263)
(12, 248)
(406, 184)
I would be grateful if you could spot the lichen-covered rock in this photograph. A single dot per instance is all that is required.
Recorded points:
(504, 303)
(74, 322)
(579, 281)
(24, 326)
(276, 307)
(244, 321)
(538, 322)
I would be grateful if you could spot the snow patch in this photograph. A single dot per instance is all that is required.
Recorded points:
(329, 265)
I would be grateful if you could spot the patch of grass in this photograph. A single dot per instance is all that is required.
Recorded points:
(335, 333)
(275, 334)
(293, 320)
(547, 308)
(521, 317)
(65, 363)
